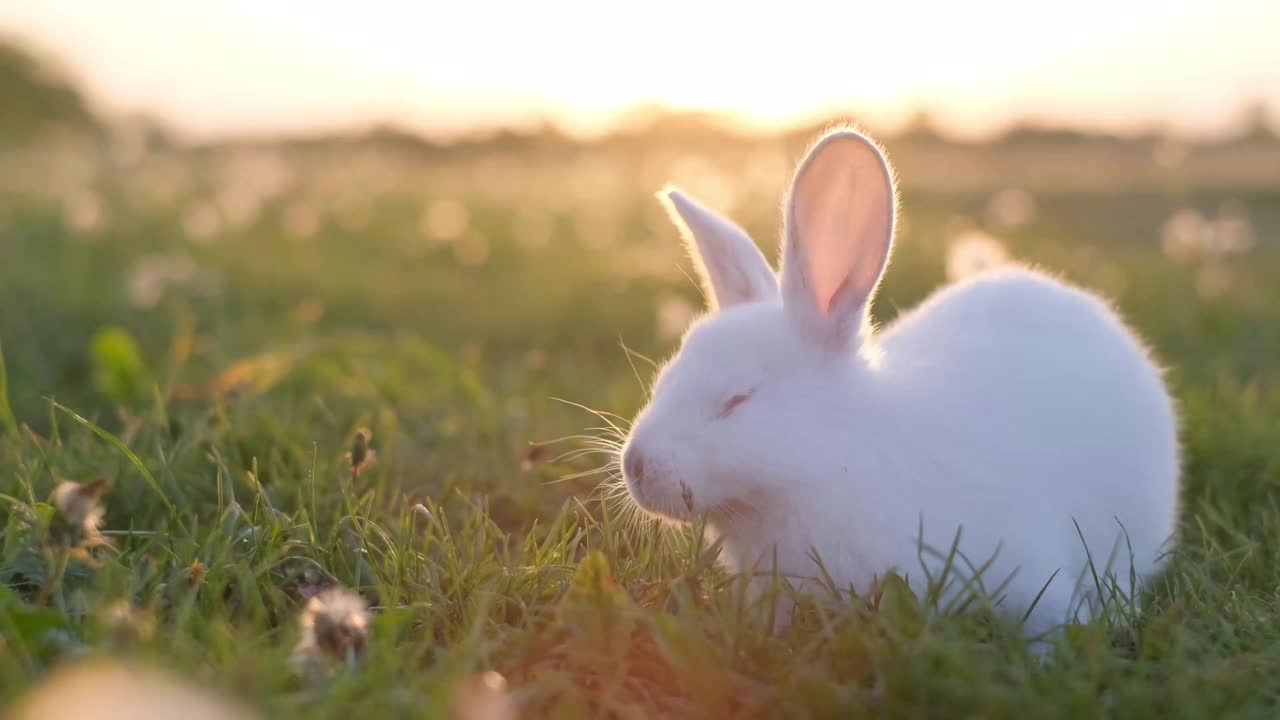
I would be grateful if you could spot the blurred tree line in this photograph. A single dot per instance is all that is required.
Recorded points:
(41, 102)
(37, 97)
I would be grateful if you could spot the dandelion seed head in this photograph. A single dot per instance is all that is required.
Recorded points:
(79, 511)
(1011, 208)
(152, 276)
(1183, 235)
(974, 252)
(533, 455)
(361, 455)
(1188, 235)
(336, 622)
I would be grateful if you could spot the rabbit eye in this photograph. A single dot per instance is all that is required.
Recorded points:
(732, 404)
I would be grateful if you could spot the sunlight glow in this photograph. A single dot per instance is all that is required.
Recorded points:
(251, 66)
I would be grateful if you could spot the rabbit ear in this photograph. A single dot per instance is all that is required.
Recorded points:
(730, 265)
(839, 228)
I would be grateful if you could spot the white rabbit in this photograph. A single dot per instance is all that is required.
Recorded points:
(1012, 411)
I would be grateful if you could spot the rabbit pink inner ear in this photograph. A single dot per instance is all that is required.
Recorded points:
(731, 267)
(839, 228)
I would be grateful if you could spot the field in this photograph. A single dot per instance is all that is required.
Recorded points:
(210, 329)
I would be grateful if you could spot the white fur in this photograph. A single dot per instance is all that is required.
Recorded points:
(1010, 408)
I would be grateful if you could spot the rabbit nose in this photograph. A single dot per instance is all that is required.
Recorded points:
(633, 464)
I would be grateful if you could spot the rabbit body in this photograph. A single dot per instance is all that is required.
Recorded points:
(1012, 417)
(1000, 414)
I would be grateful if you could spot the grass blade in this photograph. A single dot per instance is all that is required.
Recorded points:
(6, 412)
(137, 463)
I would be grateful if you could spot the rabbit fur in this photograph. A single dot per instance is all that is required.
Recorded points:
(1011, 416)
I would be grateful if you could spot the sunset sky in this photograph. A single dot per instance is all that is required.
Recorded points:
(213, 68)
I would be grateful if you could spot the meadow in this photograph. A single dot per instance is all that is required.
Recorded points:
(222, 331)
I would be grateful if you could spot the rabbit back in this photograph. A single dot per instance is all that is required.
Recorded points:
(1042, 432)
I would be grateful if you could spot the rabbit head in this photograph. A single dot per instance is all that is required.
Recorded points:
(732, 422)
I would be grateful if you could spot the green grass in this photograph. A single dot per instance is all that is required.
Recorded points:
(223, 412)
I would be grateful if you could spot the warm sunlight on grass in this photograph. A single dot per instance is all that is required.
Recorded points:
(317, 344)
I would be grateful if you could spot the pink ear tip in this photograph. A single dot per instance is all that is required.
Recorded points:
(673, 195)
(850, 140)
(851, 148)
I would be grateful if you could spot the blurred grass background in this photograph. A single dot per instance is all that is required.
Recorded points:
(234, 311)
